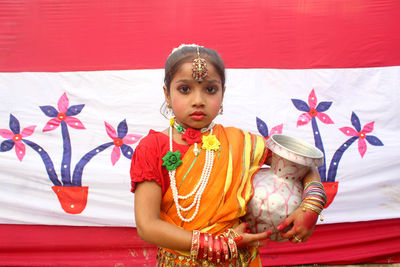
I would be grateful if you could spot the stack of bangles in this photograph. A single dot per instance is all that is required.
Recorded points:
(216, 249)
(314, 197)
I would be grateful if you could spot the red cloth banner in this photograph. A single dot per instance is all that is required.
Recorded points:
(347, 243)
(114, 35)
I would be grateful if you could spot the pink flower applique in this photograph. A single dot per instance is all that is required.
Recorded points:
(121, 141)
(312, 109)
(64, 113)
(15, 137)
(263, 128)
(361, 134)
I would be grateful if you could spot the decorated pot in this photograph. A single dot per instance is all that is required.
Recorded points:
(278, 189)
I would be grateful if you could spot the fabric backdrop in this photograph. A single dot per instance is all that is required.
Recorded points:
(81, 82)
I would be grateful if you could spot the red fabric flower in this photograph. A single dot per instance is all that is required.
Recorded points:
(192, 136)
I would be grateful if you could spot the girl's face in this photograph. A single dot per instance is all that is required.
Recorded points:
(195, 104)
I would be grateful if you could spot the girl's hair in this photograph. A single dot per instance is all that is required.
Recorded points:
(186, 53)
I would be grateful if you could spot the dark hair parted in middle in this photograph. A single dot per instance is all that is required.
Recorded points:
(187, 53)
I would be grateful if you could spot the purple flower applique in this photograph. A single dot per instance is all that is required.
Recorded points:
(64, 117)
(15, 137)
(263, 128)
(357, 133)
(314, 110)
(121, 140)
(63, 114)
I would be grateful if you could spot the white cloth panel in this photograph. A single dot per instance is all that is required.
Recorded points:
(369, 186)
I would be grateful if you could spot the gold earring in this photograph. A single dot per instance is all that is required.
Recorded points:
(221, 110)
(168, 105)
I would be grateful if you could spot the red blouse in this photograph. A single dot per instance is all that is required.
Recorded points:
(147, 160)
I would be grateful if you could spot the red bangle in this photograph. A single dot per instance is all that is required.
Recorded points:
(201, 246)
(210, 248)
(205, 248)
(217, 250)
(232, 248)
(225, 250)
(194, 250)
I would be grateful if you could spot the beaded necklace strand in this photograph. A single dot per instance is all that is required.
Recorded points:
(201, 185)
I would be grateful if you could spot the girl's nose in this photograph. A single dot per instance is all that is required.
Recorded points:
(198, 98)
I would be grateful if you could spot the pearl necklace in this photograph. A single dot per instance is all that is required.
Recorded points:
(201, 185)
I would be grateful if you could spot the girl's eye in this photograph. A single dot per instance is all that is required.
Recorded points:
(212, 89)
(184, 89)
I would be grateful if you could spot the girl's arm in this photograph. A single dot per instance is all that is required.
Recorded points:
(152, 229)
(303, 221)
(149, 225)
(312, 176)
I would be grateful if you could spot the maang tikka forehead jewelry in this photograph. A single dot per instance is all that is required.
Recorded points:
(199, 68)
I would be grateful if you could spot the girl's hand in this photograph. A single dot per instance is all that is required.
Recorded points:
(303, 225)
(247, 239)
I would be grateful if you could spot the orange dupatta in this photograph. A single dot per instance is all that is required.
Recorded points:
(229, 187)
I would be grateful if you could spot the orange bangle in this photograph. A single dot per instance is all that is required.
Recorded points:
(309, 207)
(311, 202)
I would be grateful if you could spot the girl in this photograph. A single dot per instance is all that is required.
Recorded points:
(193, 180)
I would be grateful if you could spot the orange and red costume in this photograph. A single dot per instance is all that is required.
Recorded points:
(228, 190)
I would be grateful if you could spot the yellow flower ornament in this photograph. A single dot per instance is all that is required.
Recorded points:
(210, 142)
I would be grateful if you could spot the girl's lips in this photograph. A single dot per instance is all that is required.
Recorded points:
(197, 115)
